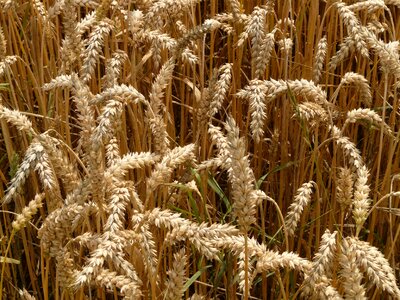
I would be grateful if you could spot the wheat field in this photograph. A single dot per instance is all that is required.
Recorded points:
(188, 149)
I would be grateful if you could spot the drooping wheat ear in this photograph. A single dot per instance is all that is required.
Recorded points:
(377, 27)
(349, 149)
(371, 261)
(3, 44)
(110, 280)
(256, 92)
(108, 123)
(56, 9)
(154, 111)
(133, 19)
(64, 167)
(229, 18)
(7, 4)
(361, 202)
(301, 200)
(370, 6)
(17, 119)
(321, 266)
(266, 50)
(158, 40)
(245, 271)
(307, 89)
(353, 28)
(125, 92)
(159, 85)
(344, 50)
(344, 187)
(388, 54)
(222, 158)
(6, 62)
(324, 290)
(245, 197)
(148, 248)
(285, 46)
(164, 9)
(28, 212)
(203, 100)
(196, 33)
(176, 277)
(255, 31)
(220, 89)
(286, 24)
(319, 59)
(189, 57)
(267, 260)
(132, 160)
(368, 115)
(65, 268)
(102, 9)
(197, 297)
(350, 275)
(60, 223)
(36, 159)
(93, 48)
(172, 159)
(312, 112)
(112, 152)
(393, 2)
(271, 260)
(82, 98)
(117, 200)
(113, 68)
(109, 251)
(43, 16)
(72, 45)
(204, 237)
(24, 294)
(235, 7)
(302, 87)
(362, 85)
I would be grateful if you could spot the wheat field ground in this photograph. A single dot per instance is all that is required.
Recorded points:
(188, 149)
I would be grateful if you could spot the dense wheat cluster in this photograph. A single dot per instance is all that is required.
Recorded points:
(188, 149)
